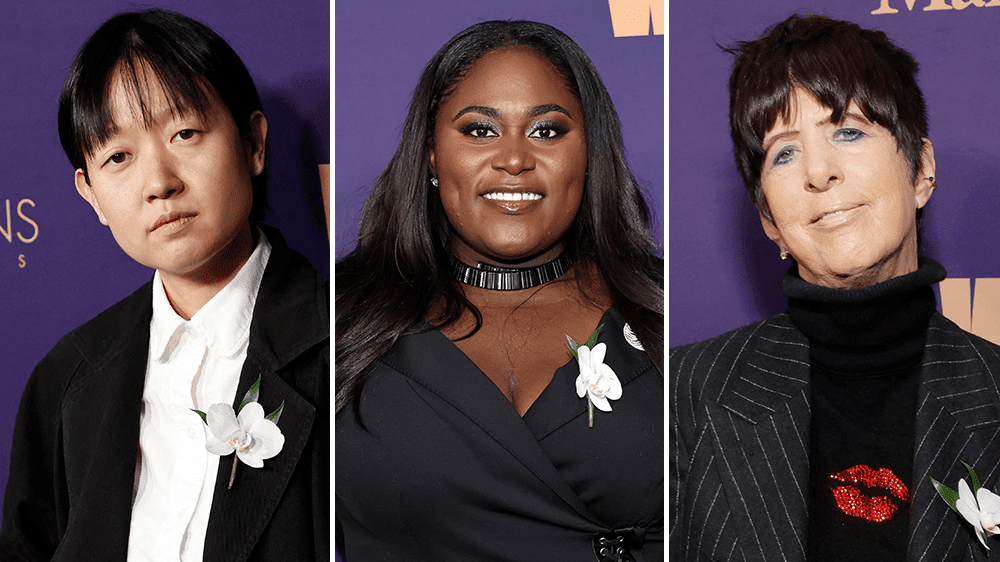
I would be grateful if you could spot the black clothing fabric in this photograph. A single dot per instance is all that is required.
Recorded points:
(865, 349)
(446, 470)
(740, 411)
(69, 496)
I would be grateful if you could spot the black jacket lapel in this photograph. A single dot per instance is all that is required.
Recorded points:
(286, 325)
(430, 359)
(760, 433)
(240, 515)
(957, 420)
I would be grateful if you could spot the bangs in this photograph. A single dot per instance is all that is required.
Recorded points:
(837, 62)
(834, 73)
(139, 75)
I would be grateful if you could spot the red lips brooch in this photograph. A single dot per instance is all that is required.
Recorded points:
(852, 501)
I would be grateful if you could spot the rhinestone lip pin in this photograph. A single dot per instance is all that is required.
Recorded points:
(857, 503)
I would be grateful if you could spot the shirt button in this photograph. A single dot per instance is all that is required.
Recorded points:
(191, 433)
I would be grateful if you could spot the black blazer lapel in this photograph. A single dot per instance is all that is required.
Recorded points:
(290, 323)
(240, 515)
(760, 433)
(431, 360)
(957, 420)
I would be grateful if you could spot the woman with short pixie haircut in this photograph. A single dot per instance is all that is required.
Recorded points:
(507, 222)
(814, 434)
(142, 434)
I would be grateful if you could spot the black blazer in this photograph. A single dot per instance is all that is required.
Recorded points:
(73, 461)
(739, 466)
(446, 470)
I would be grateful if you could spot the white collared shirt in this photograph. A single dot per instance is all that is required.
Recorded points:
(191, 364)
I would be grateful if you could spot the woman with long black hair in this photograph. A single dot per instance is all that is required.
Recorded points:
(506, 227)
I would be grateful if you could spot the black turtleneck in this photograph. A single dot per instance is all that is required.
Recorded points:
(865, 350)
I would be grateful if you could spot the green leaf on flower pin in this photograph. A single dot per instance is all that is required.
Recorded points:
(204, 416)
(975, 479)
(592, 340)
(273, 416)
(252, 394)
(947, 494)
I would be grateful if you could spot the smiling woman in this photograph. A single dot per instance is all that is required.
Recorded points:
(512, 166)
(832, 414)
(506, 225)
(839, 195)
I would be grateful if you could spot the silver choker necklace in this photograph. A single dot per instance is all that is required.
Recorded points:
(497, 278)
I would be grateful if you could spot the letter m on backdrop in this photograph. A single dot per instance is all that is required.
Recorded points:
(981, 315)
(631, 18)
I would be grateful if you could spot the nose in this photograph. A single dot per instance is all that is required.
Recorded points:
(514, 156)
(823, 169)
(161, 179)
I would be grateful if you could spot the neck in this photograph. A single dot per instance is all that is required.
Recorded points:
(189, 292)
(468, 256)
(867, 330)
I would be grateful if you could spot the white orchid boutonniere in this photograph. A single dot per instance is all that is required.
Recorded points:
(597, 381)
(253, 436)
(977, 505)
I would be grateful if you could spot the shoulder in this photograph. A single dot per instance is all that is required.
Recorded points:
(290, 329)
(100, 339)
(86, 350)
(952, 344)
(705, 367)
(289, 277)
(709, 355)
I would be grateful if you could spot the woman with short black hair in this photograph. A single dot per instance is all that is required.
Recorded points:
(814, 434)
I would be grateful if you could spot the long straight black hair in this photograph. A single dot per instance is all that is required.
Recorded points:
(401, 262)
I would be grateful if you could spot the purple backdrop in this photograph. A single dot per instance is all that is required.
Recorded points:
(724, 272)
(382, 48)
(71, 269)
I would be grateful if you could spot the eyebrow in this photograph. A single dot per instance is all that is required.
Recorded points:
(495, 114)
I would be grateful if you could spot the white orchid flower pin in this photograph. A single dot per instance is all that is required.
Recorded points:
(977, 505)
(253, 436)
(597, 381)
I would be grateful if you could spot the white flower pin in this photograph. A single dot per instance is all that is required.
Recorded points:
(253, 436)
(597, 381)
(977, 505)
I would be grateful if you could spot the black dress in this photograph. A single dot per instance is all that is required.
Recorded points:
(445, 469)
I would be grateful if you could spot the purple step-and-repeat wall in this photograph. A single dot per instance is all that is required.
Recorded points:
(723, 271)
(382, 47)
(59, 266)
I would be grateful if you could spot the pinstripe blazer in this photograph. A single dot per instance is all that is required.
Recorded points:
(739, 466)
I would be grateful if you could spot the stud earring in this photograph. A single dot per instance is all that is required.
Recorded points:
(434, 182)
(784, 254)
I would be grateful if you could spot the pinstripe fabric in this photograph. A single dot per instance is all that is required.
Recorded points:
(738, 456)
